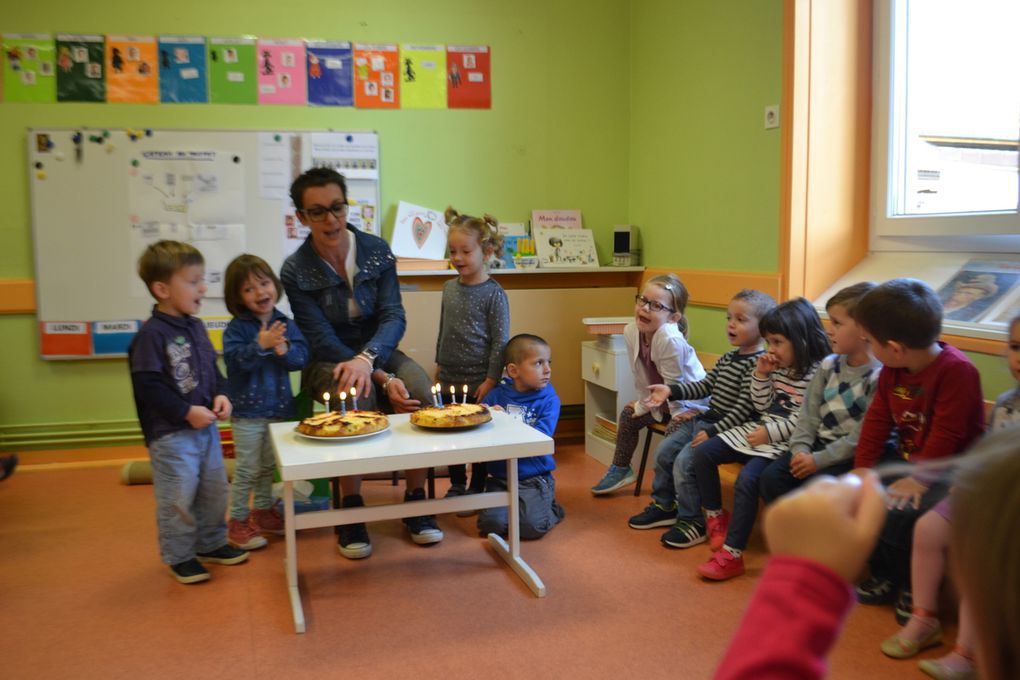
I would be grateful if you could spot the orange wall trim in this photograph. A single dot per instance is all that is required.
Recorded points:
(17, 296)
(716, 289)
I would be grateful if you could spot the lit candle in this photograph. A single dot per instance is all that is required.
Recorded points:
(464, 400)
(439, 394)
(453, 395)
(325, 398)
(343, 403)
(432, 391)
(354, 398)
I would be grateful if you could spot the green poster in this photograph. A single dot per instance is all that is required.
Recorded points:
(232, 77)
(80, 68)
(29, 65)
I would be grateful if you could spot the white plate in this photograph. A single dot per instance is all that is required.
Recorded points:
(341, 439)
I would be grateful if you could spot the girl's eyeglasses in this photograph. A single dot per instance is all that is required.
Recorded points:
(642, 301)
(317, 213)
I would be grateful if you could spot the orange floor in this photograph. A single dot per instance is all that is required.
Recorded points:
(83, 595)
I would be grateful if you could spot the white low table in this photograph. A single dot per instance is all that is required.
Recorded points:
(405, 447)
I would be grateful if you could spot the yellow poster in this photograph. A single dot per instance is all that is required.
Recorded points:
(131, 69)
(423, 76)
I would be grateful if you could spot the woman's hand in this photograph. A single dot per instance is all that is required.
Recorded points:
(353, 373)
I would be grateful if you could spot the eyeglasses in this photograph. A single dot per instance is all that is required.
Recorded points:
(317, 213)
(642, 301)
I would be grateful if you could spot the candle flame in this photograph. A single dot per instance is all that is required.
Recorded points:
(453, 389)
(343, 396)
(354, 391)
(325, 396)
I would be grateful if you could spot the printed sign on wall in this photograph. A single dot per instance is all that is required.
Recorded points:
(281, 72)
(376, 77)
(131, 73)
(29, 64)
(329, 74)
(232, 71)
(468, 85)
(182, 70)
(80, 68)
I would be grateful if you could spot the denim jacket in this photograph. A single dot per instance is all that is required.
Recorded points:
(319, 300)
(258, 379)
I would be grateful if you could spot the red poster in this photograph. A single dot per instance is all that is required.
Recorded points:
(376, 76)
(65, 338)
(468, 77)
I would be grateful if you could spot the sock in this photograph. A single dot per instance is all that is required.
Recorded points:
(712, 514)
(733, 551)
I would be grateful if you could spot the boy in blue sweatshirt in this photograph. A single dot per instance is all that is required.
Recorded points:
(527, 395)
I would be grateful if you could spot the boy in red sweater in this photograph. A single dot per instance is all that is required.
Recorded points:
(929, 397)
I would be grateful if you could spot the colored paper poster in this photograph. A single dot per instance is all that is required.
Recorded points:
(281, 72)
(376, 76)
(423, 76)
(329, 74)
(467, 74)
(65, 339)
(80, 68)
(131, 75)
(113, 337)
(232, 71)
(29, 63)
(182, 70)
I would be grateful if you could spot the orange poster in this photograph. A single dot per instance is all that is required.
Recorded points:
(376, 76)
(131, 69)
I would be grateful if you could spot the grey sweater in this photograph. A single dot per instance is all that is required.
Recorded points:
(474, 325)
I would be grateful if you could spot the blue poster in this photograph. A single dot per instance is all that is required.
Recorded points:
(112, 337)
(329, 74)
(182, 70)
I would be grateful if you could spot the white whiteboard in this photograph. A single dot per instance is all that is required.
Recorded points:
(97, 203)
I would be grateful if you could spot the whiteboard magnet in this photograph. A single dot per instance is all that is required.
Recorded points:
(41, 174)
(59, 156)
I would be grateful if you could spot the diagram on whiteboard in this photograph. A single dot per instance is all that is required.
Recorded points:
(194, 196)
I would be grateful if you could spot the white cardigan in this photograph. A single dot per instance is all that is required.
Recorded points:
(673, 356)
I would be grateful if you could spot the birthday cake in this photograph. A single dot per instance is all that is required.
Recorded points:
(350, 424)
(452, 416)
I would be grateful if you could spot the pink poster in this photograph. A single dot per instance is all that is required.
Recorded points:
(281, 72)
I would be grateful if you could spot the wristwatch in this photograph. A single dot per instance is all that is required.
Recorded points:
(370, 354)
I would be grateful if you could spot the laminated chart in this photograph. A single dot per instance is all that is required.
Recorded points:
(182, 70)
(232, 71)
(376, 77)
(132, 76)
(281, 72)
(29, 68)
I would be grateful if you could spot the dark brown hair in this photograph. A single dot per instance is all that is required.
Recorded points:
(316, 177)
(904, 310)
(238, 271)
(848, 297)
(517, 347)
(759, 302)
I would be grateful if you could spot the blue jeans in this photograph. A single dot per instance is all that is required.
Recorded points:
(777, 480)
(707, 459)
(253, 472)
(674, 472)
(191, 493)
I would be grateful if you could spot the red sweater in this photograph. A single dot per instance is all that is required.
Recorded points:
(791, 623)
(936, 412)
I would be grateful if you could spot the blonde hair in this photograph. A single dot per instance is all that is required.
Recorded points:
(161, 259)
(672, 284)
(485, 228)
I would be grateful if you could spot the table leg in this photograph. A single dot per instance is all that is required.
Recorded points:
(511, 553)
(290, 561)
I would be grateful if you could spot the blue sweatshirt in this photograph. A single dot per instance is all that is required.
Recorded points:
(259, 379)
(538, 408)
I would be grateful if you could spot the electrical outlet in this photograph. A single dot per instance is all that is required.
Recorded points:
(772, 117)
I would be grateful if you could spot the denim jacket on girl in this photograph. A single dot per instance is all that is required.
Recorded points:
(258, 379)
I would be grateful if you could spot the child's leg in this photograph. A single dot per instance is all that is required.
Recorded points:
(479, 471)
(777, 480)
(708, 456)
(493, 520)
(745, 501)
(891, 559)
(211, 495)
(263, 491)
(458, 475)
(175, 472)
(248, 441)
(663, 488)
(628, 429)
(539, 511)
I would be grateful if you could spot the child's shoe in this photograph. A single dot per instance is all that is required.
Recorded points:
(876, 590)
(721, 566)
(225, 554)
(352, 539)
(652, 516)
(268, 520)
(242, 534)
(189, 571)
(904, 606)
(957, 665)
(684, 534)
(615, 478)
(717, 528)
(456, 490)
(900, 647)
(424, 530)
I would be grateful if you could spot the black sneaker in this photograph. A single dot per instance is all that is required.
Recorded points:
(684, 534)
(904, 606)
(424, 530)
(225, 554)
(651, 517)
(352, 539)
(189, 571)
(876, 590)
(7, 465)
(456, 490)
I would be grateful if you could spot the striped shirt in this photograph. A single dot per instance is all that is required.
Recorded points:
(728, 387)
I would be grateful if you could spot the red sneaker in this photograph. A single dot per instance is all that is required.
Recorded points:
(268, 521)
(717, 528)
(722, 566)
(242, 534)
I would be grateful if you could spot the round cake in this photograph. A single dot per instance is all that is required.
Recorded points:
(452, 416)
(351, 424)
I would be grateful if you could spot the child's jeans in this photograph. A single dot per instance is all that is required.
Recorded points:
(191, 493)
(253, 472)
(538, 510)
(777, 480)
(674, 480)
(707, 459)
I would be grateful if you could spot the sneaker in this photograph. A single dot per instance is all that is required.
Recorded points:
(717, 528)
(904, 606)
(241, 533)
(722, 566)
(225, 554)
(268, 520)
(456, 490)
(651, 517)
(684, 534)
(189, 571)
(424, 530)
(615, 478)
(7, 465)
(352, 539)
(875, 590)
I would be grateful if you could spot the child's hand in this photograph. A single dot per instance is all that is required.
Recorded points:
(803, 465)
(905, 491)
(657, 396)
(699, 438)
(271, 336)
(689, 414)
(222, 407)
(282, 348)
(767, 362)
(199, 417)
(497, 407)
(758, 436)
(831, 521)
(484, 389)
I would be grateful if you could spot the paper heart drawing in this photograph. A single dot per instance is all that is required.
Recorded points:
(420, 230)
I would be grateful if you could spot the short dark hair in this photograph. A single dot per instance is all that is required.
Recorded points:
(316, 177)
(759, 302)
(161, 259)
(797, 321)
(848, 297)
(904, 310)
(518, 347)
(238, 271)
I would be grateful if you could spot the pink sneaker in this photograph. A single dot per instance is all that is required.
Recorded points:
(242, 534)
(722, 566)
(268, 521)
(717, 528)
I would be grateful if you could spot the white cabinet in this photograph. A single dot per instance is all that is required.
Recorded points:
(608, 387)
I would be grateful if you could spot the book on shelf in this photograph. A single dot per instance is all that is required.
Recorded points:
(555, 219)
(608, 424)
(417, 264)
(604, 434)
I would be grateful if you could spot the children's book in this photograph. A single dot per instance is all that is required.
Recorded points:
(555, 219)
(566, 248)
